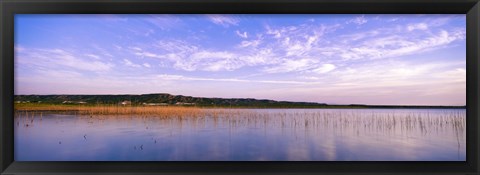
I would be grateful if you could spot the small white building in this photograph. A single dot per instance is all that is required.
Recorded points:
(126, 102)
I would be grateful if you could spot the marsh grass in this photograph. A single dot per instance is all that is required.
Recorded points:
(359, 121)
(111, 110)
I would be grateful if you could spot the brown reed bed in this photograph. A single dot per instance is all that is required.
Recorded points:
(406, 121)
(114, 109)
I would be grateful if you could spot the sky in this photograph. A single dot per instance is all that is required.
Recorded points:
(335, 59)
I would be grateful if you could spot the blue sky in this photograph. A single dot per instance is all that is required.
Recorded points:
(336, 59)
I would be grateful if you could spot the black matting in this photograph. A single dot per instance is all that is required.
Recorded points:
(10, 7)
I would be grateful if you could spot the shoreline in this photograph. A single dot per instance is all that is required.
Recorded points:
(69, 107)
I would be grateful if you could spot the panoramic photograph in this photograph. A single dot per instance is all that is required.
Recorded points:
(240, 87)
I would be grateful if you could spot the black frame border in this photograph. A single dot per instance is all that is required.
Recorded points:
(8, 8)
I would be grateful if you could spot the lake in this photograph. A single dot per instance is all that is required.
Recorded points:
(245, 135)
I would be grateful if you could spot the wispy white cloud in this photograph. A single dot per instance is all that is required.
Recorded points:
(93, 56)
(295, 43)
(101, 51)
(264, 56)
(148, 54)
(457, 75)
(185, 78)
(396, 46)
(162, 22)
(393, 19)
(398, 73)
(418, 26)
(149, 32)
(224, 20)
(136, 48)
(189, 57)
(117, 47)
(349, 38)
(175, 46)
(251, 43)
(291, 65)
(324, 68)
(128, 63)
(146, 65)
(241, 35)
(210, 61)
(358, 20)
(309, 77)
(59, 58)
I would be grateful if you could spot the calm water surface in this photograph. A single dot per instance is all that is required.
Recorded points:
(246, 134)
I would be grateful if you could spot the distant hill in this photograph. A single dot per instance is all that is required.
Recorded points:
(160, 99)
(168, 99)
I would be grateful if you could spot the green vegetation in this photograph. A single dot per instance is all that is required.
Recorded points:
(179, 100)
